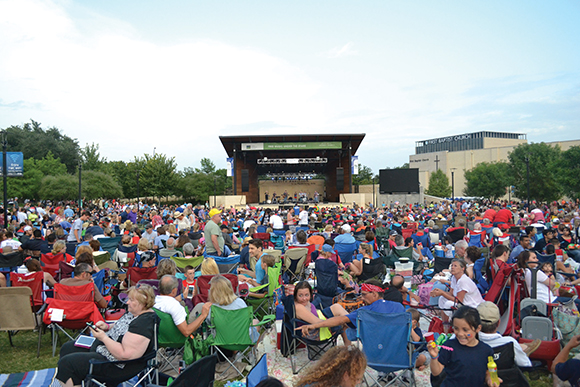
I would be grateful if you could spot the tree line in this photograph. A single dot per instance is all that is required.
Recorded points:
(553, 174)
(53, 160)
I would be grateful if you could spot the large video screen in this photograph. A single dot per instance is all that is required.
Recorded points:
(399, 180)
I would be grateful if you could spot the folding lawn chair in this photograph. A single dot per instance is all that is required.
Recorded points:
(346, 251)
(35, 282)
(182, 262)
(231, 331)
(258, 373)
(507, 369)
(265, 306)
(326, 282)
(136, 274)
(294, 263)
(387, 344)
(228, 264)
(51, 263)
(372, 268)
(203, 286)
(78, 305)
(199, 374)
(170, 341)
(17, 300)
(293, 338)
(10, 263)
(144, 368)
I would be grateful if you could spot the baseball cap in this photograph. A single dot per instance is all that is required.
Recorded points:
(213, 212)
(488, 312)
(26, 228)
(393, 233)
(327, 248)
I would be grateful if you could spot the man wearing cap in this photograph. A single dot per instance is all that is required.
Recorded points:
(372, 294)
(149, 234)
(489, 314)
(214, 244)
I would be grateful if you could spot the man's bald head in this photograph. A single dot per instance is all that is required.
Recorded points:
(397, 281)
(167, 283)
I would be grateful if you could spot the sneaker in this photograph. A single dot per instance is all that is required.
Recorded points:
(532, 346)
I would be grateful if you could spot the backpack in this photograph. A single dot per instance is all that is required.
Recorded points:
(350, 300)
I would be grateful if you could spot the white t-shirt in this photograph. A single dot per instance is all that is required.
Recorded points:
(473, 296)
(277, 223)
(247, 224)
(12, 243)
(543, 291)
(170, 305)
(303, 218)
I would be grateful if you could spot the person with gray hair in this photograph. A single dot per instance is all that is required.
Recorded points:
(460, 248)
(166, 302)
(169, 250)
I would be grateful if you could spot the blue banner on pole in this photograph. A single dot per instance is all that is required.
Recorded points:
(15, 162)
(354, 165)
(230, 166)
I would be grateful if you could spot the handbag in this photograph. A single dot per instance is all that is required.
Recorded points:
(569, 326)
(196, 347)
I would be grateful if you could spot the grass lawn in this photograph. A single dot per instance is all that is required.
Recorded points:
(22, 357)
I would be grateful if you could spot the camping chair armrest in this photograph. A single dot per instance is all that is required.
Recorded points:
(42, 309)
(147, 357)
(569, 275)
(257, 288)
(267, 319)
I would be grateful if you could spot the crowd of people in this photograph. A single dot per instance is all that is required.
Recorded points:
(504, 233)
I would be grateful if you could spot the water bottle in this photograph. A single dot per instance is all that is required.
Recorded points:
(492, 368)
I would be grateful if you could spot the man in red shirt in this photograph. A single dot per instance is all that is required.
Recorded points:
(503, 216)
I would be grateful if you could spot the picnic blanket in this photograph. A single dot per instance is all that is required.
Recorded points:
(40, 378)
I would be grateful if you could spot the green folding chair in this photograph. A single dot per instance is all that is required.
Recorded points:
(171, 341)
(265, 306)
(181, 262)
(231, 331)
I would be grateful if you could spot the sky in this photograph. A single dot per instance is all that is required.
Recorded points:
(172, 76)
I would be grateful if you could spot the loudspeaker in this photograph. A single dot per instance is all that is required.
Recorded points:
(339, 179)
(245, 180)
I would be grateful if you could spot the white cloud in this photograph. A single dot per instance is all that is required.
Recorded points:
(339, 52)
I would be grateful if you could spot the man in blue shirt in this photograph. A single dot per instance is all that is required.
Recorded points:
(524, 245)
(372, 294)
(568, 370)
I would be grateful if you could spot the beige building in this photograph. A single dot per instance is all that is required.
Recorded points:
(456, 154)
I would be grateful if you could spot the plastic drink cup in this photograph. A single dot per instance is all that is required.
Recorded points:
(429, 336)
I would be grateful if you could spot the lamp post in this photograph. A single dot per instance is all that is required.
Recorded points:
(528, 178)
(138, 172)
(214, 189)
(453, 184)
(5, 176)
(80, 186)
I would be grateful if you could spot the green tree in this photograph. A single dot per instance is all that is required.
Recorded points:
(158, 176)
(488, 180)
(543, 160)
(365, 176)
(35, 142)
(569, 171)
(91, 158)
(404, 166)
(439, 185)
(96, 185)
(61, 187)
(207, 166)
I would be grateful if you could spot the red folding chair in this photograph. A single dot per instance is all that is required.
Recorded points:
(136, 274)
(203, 286)
(261, 235)
(81, 293)
(35, 282)
(51, 263)
(64, 270)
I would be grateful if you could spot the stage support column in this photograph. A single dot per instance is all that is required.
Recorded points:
(350, 165)
(234, 171)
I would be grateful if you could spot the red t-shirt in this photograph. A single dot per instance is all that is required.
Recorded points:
(503, 216)
(489, 214)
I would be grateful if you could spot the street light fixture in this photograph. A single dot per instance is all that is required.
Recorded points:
(453, 184)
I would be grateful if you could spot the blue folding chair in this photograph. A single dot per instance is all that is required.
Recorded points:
(387, 344)
(326, 282)
(258, 373)
(346, 251)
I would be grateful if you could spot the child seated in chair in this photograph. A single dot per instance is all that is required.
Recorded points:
(422, 360)
(267, 261)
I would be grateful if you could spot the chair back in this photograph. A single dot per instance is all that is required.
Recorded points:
(372, 268)
(345, 251)
(403, 253)
(294, 260)
(264, 236)
(76, 314)
(203, 285)
(441, 263)
(326, 277)
(199, 374)
(258, 373)
(17, 301)
(507, 369)
(550, 258)
(407, 233)
(457, 233)
(110, 244)
(317, 241)
(274, 278)
(169, 335)
(12, 260)
(64, 270)
(34, 281)
(99, 280)
(51, 262)
(475, 240)
(385, 338)
(81, 293)
(154, 283)
(232, 327)
(136, 274)
(101, 257)
(227, 264)
(277, 254)
(182, 262)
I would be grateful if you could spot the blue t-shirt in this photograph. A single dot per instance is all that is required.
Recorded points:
(569, 371)
(379, 306)
(260, 273)
(464, 366)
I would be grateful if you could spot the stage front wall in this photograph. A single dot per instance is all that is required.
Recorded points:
(291, 186)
